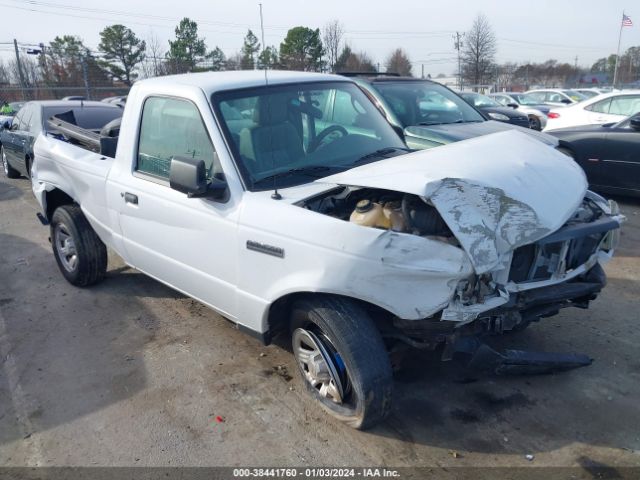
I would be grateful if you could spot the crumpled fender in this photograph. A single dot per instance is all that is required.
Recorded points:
(495, 192)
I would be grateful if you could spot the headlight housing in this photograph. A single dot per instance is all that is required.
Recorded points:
(499, 116)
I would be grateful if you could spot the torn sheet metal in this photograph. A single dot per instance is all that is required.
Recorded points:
(495, 193)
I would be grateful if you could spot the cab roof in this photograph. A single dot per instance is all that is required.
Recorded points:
(212, 82)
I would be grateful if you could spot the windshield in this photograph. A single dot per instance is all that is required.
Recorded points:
(575, 96)
(588, 93)
(291, 134)
(479, 101)
(425, 103)
(525, 99)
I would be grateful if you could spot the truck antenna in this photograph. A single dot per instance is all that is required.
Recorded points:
(275, 195)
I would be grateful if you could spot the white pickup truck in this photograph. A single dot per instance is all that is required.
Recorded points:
(289, 205)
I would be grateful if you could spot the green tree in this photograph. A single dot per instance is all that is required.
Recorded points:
(66, 62)
(268, 58)
(302, 50)
(398, 62)
(187, 48)
(217, 59)
(250, 49)
(122, 52)
(350, 61)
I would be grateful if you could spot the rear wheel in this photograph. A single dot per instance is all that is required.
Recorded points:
(80, 254)
(342, 360)
(9, 171)
(534, 123)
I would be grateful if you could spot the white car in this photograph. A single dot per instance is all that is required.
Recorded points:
(590, 92)
(307, 218)
(606, 108)
(557, 97)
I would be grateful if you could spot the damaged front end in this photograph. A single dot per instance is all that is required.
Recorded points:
(536, 238)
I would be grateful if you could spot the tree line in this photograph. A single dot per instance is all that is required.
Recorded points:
(122, 57)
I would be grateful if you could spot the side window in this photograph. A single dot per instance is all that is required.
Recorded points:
(172, 128)
(538, 96)
(600, 107)
(627, 105)
(502, 100)
(35, 122)
(23, 121)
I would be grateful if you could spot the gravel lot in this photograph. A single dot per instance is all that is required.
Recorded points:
(132, 373)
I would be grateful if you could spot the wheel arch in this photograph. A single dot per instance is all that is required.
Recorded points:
(278, 313)
(55, 198)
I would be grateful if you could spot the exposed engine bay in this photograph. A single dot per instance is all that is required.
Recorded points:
(383, 209)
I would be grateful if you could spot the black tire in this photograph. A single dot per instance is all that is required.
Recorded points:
(8, 170)
(347, 331)
(534, 123)
(87, 264)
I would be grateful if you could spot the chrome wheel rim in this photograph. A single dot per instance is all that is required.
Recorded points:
(66, 247)
(317, 365)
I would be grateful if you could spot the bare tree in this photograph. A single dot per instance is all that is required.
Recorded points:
(5, 74)
(505, 75)
(30, 71)
(479, 52)
(154, 65)
(398, 62)
(332, 35)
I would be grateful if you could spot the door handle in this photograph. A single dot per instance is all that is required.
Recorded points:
(130, 198)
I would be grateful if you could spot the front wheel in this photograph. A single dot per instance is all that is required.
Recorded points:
(342, 360)
(80, 254)
(9, 171)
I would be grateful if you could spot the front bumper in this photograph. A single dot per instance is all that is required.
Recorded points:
(558, 270)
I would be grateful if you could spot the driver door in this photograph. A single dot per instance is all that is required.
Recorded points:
(187, 243)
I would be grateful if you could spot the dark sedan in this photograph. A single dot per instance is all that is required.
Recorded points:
(428, 114)
(494, 110)
(16, 141)
(609, 154)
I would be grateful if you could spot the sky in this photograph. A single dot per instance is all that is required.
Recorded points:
(525, 31)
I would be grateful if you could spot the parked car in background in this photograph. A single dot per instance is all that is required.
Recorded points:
(7, 118)
(428, 114)
(556, 97)
(606, 108)
(495, 111)
(536, 111)
(589, 92)
(609, 154)
(16, 142)
(119, 100)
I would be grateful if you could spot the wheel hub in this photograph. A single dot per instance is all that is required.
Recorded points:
(317, 365)
(66, 247)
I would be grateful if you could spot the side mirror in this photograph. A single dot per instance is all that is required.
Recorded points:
(634, 123)
(188, 175)
(566, 101)
(513, 105)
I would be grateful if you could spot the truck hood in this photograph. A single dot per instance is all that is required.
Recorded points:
(496, 192)
(454, 132)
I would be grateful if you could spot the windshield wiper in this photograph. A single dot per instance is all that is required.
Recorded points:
(313, 171)
(381, 153)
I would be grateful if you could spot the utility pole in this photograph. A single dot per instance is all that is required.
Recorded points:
(457, 44)
(615, 71)
(422, 71)
(85, 76)
(20, 73)
(577, 72)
